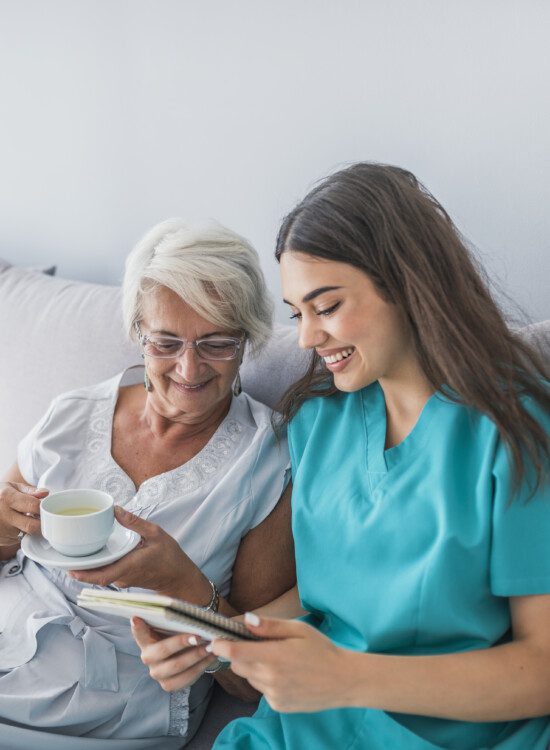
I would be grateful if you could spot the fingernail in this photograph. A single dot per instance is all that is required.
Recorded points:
(251, 619)
(208, 648)
(193, 640)
(120, 510)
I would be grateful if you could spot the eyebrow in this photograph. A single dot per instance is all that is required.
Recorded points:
(175, 336)
(315, 293)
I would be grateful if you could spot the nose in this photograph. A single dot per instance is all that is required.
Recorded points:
(188, 365)
(310, 333)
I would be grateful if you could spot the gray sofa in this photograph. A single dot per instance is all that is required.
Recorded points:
(58, 334)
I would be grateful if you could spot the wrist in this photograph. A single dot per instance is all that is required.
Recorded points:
(217, 666)
(194, 588)
(353, 690)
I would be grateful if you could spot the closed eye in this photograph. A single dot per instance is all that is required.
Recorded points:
(329, 310)
(164, 345)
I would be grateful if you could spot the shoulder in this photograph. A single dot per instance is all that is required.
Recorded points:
(250, 422)
(318, 419)
(539, 411)
(250, 413)
(325, 407)
(89, 393)
(79, 403)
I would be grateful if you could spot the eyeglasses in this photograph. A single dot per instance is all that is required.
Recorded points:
(170, 347)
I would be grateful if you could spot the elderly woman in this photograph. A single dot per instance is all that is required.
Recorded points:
(196, 470)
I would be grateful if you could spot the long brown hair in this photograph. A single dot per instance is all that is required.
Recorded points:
(383, 221)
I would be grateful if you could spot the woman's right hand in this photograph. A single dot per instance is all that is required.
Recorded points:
(172, 661)
(19, 511)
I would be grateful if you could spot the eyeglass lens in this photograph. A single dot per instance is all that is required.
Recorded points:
(212, 348)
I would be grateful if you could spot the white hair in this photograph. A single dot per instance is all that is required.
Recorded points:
(212, 269)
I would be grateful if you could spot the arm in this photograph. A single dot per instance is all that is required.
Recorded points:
(266, 550)
(304, 671)
(264, 567)
(17, 501)
(287, 606)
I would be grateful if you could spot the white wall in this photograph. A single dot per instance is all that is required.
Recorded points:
(118, 113)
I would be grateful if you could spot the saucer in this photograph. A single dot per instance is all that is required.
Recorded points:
(120, 542)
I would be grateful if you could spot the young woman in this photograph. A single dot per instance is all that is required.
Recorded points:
(421, 500)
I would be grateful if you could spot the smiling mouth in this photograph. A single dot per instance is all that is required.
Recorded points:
(331, 359)
(190, 387)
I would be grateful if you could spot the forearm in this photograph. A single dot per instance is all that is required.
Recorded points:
(197, 589)
(502, 683)
(287, 606)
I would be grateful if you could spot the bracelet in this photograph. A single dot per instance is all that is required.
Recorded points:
(214, 602)
(218, 666)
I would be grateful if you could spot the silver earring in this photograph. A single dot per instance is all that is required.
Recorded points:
(147, 382)
(237, 387)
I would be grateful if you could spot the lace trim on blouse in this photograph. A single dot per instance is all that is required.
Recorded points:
(113, 479)
(179, 713)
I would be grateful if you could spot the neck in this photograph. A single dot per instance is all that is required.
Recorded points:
(181, 425)
(406, 393)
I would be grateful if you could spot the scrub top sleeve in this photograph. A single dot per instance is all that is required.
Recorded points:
(30, 461)
(299, 430)
(270, 476)
(520, 548)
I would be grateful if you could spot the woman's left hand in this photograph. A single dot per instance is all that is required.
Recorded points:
(173, 661)
(299, 670)
(157, 563)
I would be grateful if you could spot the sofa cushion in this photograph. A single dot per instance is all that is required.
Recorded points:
(223, 708)
(58, 335)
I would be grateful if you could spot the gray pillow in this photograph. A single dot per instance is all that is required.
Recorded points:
(56, 335)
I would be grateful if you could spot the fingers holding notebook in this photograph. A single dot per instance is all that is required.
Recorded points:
(175, 661)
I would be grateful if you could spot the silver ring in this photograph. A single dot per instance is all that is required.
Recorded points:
(20, 536)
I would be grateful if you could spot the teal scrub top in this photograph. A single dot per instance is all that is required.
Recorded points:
(412, 550)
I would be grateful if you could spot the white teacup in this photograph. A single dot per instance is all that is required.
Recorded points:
(77, 522)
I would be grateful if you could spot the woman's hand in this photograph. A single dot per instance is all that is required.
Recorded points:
(157, 563)
(19, 511)
(173, 661)
(298, 670)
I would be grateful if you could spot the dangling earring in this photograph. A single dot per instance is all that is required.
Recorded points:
(147, 382)
(237, 388)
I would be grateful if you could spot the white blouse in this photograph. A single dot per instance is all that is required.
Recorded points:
(208, 504)
(89, 665)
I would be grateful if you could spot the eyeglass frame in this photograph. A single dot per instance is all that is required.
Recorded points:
(186, 344)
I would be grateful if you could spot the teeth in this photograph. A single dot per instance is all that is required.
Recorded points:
(339, 356)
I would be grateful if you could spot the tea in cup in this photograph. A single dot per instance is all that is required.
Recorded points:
(77, 522)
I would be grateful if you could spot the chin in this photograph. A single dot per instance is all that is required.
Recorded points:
(351, 384)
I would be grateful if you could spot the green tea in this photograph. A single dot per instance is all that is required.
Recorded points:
(76, 511)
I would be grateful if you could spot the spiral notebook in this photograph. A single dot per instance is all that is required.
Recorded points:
(164, 613)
